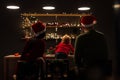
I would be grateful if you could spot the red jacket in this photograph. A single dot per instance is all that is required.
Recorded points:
(64, 48)
(33, 49)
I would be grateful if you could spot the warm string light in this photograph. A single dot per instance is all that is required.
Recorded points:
(26, 25)
(27, 22)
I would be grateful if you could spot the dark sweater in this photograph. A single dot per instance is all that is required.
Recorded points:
(90, 48)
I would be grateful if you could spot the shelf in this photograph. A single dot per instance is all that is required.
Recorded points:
(57, 25)
(63, 26)
(57, 39)
(35, 14)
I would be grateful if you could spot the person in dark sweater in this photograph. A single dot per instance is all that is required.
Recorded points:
(90, 48)
(28, 64)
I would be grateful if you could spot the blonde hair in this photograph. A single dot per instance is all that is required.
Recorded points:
(66, 39)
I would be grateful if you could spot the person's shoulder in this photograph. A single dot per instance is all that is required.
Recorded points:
(101, 33)
(81, 35)
(32, 40)
(61, 43)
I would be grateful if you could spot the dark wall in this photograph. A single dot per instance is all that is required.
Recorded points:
(105, 24)
(11, 34)
(117, 25)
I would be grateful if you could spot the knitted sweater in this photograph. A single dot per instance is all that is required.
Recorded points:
(90, 48)
(64, 48)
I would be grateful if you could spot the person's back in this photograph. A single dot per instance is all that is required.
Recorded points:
(31, 62)
(34, 49)
(93, 47)
(64, 48)
(91, 50)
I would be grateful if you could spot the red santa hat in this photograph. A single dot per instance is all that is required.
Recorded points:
(39, 28)
(88, 21)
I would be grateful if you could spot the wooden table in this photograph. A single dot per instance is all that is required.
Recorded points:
(9, 66)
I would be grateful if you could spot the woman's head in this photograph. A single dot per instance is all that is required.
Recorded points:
(39, 29)
(88, 22)
(66, 39)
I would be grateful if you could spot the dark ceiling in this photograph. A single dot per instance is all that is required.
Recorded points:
(68, 6)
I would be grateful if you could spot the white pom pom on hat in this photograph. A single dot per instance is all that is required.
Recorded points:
(39, 28)
(88, 21)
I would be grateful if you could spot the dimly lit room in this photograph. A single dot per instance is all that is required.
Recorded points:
(18, 20)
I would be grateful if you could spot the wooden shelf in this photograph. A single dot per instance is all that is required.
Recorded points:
(57, 25)
(35, 14)
(63, 27)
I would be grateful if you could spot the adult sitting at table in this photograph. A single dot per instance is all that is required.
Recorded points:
(31, 57)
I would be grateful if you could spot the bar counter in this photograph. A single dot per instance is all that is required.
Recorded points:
(10, 62)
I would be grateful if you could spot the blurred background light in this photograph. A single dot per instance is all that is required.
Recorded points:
(48, 7)
(12, 7)
(116, 6)
(83, 8)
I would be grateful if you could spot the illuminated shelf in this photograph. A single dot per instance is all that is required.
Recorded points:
(63, 26)
(57, 25)
(35, 14)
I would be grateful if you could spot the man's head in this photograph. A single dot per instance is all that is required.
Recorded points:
(39, 28)
(88, 21)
